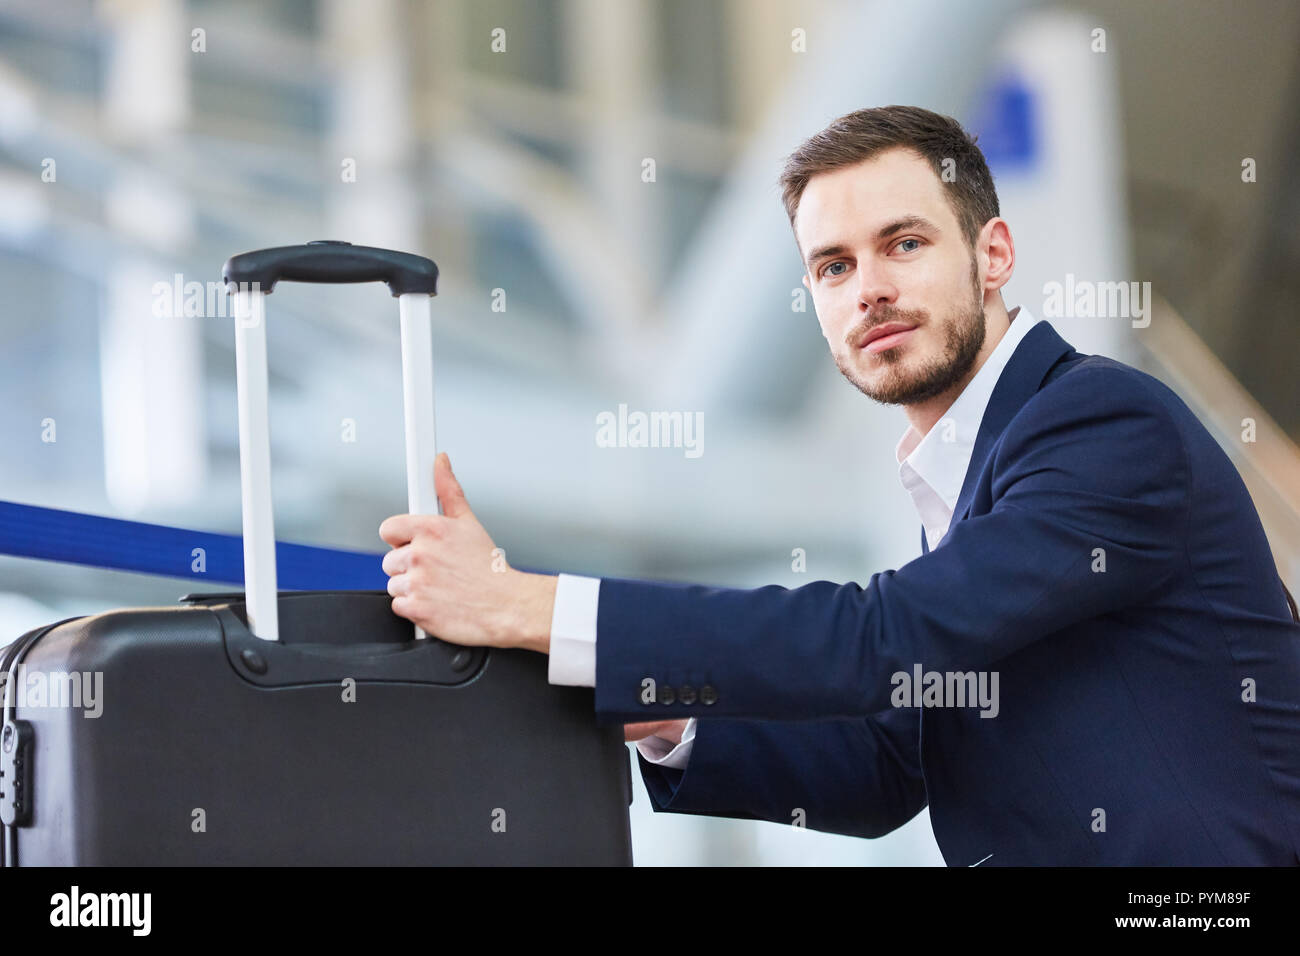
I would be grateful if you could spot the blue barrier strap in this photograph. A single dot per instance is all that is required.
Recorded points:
(201, 556)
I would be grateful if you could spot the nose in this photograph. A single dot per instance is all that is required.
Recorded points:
(875, 288)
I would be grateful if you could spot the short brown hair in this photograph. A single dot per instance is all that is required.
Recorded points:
(862, 134)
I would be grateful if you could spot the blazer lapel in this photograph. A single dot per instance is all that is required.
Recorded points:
(1023, 375)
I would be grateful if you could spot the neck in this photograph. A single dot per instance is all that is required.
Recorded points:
(923, 415)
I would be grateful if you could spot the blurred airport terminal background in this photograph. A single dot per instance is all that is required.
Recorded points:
(596, 180)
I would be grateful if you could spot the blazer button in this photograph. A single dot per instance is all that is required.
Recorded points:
(666, 694)
(708, 696)
(686, 694)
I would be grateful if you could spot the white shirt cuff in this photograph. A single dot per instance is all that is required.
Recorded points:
(665, 753)
(572, 660)
(573, 632)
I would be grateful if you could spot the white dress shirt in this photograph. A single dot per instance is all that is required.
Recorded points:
(932, 468)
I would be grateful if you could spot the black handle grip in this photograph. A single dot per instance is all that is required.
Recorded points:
(330, 260)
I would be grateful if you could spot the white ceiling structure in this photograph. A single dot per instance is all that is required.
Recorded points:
(166, 167)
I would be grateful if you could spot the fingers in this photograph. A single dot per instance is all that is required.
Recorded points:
(399, 529)
(403, 607)
(397, 561)
(449, 491)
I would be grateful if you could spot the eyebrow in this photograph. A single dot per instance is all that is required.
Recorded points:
(907, 222)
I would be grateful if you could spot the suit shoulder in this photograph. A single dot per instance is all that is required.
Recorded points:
(1103, 428)
(1113, 415)
(1092, 385)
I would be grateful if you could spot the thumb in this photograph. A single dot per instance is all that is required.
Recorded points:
(448, 489)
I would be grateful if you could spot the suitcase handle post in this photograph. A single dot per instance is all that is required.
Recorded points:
(249, 279)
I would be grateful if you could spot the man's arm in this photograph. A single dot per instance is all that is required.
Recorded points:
(1089, 506)
(859, 777)
(572, 648)
(1091, 471)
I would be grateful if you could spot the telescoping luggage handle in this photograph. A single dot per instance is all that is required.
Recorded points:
(249, 278)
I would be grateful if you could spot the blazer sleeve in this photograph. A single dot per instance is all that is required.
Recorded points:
(859, 777)
(1089, 505)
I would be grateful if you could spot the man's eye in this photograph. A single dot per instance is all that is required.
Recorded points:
(827, 270)
(905, 242)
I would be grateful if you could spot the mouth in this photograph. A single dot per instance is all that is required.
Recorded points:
(886, 336)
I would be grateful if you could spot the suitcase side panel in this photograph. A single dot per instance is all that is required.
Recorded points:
(189, 763)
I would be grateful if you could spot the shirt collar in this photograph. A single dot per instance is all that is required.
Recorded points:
(940, 457)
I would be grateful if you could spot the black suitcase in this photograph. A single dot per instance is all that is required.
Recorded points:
(309, 727)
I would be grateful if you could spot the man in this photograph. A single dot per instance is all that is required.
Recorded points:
(1093, 662)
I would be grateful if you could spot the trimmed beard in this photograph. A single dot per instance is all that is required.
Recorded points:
(964, 339)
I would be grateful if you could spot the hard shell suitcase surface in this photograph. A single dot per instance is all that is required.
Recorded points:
(304, 727)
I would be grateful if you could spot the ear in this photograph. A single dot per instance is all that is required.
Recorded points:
(996, 252)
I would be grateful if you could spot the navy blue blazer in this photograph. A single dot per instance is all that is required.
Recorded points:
(1105, 559)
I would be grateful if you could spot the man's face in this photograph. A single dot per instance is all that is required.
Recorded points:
(883, 247)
